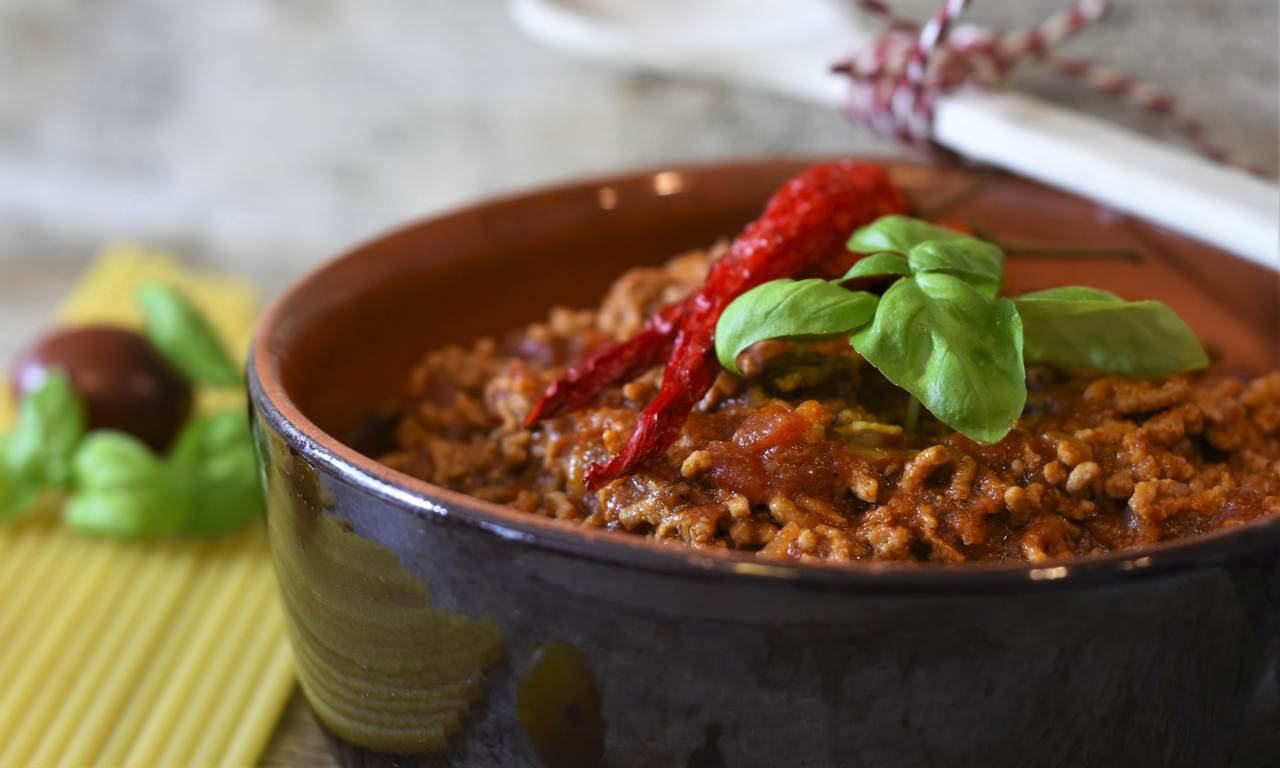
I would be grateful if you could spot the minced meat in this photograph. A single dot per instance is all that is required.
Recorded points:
(805, 457)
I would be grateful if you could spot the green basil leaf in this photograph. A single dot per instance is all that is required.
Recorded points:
(234, 477)
(50, 424)
(18, 495)
(108, 459)
(184, 337)
(878, 265)
(897, 233)
(977, 262)
(957, 350)
(788, 309)
(1073, 293)
(140, 513)
(123, 490)
(1080, 328)
(215, 457)
(206, 436)
(9, 491)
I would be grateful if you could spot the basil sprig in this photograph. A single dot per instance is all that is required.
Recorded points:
(942, 333)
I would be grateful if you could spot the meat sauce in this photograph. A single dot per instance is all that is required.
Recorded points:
(805, 456)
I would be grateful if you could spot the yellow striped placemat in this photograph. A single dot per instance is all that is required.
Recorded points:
(166, 653)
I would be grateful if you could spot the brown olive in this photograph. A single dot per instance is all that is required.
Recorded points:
(125, 384)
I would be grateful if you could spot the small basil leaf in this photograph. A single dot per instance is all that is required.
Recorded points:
(788, 309)
(8, 483)
(123, 490)
(126, 513)
(17, 495)
(206, 436)
(878, 265)
(51, 422)
(897, 233)
(957, 350)
(1073, 293)
(215, 457)
(977, 262)
(239, 496)
(1079, 328)
(184, 337)
(108, 459)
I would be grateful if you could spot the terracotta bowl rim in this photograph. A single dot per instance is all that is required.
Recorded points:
(436, 503)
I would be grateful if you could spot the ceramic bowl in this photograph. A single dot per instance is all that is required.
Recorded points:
(431, 628)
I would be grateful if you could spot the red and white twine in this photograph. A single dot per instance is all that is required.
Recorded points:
(896, 81)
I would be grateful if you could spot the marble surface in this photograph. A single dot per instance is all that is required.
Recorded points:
(262, 137)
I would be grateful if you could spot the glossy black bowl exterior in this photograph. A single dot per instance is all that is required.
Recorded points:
(434, 629)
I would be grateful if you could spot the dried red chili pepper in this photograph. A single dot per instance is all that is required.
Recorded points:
(806, 221)
(609, 365)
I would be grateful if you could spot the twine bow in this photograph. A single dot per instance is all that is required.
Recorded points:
(897, 80)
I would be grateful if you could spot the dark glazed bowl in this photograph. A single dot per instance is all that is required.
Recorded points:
(435, 629)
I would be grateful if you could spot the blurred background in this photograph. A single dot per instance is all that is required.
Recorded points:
(263, 136)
